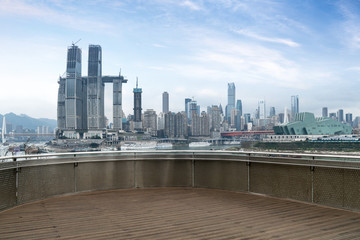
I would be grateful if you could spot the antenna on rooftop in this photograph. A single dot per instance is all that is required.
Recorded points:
(136, 82)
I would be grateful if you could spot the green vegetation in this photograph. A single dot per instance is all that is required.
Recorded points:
(309, 146)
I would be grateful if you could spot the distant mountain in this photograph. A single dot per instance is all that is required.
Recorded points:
(27, 122)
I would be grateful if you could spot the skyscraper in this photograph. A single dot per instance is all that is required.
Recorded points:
(95, 90)
(137, 107)
(165, 102)
(294, 105)
(340, 115)
(74, 90)
(262, 109)
(324, 112)
(272, 111)
(231, 101)
(187, 108)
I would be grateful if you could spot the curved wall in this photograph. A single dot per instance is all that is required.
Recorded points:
(320, 179)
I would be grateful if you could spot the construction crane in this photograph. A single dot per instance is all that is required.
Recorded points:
(76, 42)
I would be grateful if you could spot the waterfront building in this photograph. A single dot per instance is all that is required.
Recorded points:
(294, 106)
(180, 125)
(169, 125)
(95, 92)
(195, 124)
(215, 118)
(239, 107)
(306, 124)
(161, 121)
(137, 108)
(74, 99)
(165, 102)
(204, 124)
(80, 106)
(340, 115)
(231, 101)
(324, 112)
(150, 121)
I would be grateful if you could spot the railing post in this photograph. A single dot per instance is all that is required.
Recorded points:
(193, 171)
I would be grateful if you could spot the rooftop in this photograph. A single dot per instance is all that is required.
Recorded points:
(175, 213)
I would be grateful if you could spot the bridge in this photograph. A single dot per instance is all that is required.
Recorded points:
(180, 195)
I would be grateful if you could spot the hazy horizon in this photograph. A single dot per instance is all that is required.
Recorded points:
(271, 50)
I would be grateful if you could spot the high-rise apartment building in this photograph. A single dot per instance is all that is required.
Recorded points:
(95, 90)
(215, 118)
(231, 101)
(165, 102)
(294, 106)
(150, 121)
(187, 107)
(137, 108)
(324, 112)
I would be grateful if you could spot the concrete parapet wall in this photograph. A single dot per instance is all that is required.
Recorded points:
(325, 180)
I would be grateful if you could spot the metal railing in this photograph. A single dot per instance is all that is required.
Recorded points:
(331, 180)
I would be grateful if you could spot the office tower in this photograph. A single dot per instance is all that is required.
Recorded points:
(165, 102)
(272, 111)
(324, 112)
(294, 106)
(61, 111)
(233, 116)
(118, 114)
(73, 90)
(261, 109)
(340, 115)
(348, 118)
(137, 108)
(239, 106)
(247, 117)
(231, 101)
(187, 107)
(150, 121)
(95, 90)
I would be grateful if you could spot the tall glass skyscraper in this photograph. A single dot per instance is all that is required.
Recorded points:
(231, 101)
(294, 105)
(74, 90)
(165, 102)
(95, 90)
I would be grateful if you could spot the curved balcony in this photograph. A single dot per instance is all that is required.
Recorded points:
(179, 194)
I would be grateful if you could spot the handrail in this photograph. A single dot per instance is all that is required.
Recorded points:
(294, 159)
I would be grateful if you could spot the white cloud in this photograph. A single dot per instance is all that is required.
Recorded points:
(191, 5)
(284, 41)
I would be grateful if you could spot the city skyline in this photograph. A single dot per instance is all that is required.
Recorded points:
(271, 50)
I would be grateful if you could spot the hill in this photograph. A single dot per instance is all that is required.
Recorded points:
(28, 122)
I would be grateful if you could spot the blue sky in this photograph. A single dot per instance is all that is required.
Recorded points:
(190, 48)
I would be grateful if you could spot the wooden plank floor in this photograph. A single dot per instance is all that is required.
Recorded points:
(175, 213)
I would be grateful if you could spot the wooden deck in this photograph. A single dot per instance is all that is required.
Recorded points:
(175, 213)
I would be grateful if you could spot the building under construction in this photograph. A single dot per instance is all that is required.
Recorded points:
(80, 110)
